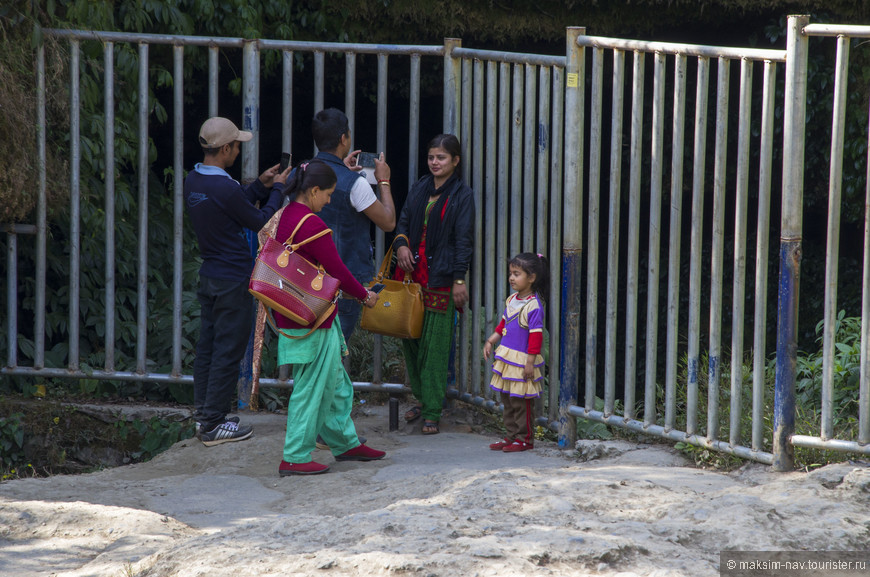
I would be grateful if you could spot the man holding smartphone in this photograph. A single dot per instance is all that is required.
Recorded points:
(220, 209)
(353, 207)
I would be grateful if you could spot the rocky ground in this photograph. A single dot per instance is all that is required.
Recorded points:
(441, 505)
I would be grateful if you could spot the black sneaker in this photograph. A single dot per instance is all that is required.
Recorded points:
(226, 432)
(198, 430)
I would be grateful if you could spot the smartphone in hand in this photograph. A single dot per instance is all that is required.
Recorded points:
(285, 161)
(377, 287)
(367, 159)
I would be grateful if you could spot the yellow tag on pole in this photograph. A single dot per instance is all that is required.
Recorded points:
(572, 79)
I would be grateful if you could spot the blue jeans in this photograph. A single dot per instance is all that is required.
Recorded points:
(226, 321)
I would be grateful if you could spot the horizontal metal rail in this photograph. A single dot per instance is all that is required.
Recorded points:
(101, 36)
(128, 376)
(682, 49)
(671, 434)
(511, 57)
(830, 444)
(852, 31)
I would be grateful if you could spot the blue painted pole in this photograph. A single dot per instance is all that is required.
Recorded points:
(572, 240)
(794, 133)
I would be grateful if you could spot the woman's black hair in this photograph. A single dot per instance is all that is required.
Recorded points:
(538, 265)
(308, 175)
(451, 144)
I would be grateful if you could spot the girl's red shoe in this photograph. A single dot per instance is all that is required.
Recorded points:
(500, 445)
(518, 446)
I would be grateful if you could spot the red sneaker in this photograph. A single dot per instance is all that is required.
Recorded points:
(361, 453)
(309, 468)
(518, 446)
(500, 445)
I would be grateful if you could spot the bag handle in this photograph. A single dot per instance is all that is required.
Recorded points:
(316, 326)
(294, 247)
(388, 256)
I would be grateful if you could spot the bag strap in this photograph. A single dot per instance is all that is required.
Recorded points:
(316, 326)
(388, 256)
(294, 247)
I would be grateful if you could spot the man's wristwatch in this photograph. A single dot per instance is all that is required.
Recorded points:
(459, 281)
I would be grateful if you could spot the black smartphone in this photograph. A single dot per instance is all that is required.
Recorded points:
(285, 161)
(377, 287)
(367, 159)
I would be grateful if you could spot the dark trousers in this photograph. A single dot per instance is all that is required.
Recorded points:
(519, 418)
(226, 322)
(349, 311)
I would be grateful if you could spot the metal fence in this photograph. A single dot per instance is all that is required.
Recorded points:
(796, 148)
(542, 161)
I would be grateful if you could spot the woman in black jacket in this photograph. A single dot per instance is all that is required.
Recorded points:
(438, 218)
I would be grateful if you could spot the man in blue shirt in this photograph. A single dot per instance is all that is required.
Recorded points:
(353, 207)
(221, 209)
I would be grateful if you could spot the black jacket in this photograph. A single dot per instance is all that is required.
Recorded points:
(449, 242)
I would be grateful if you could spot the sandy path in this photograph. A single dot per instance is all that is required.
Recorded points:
(439, 505)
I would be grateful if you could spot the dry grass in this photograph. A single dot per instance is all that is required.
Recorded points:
(19, 172)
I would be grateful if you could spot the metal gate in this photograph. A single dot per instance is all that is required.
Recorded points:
(541, 158)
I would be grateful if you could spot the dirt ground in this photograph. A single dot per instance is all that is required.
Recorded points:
(441, 505)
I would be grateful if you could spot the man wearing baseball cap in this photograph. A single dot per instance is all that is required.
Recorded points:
(221, 209)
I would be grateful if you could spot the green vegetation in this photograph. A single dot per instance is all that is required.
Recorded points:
(808, 420)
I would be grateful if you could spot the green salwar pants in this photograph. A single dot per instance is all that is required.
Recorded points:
(426, 359)
(322, 394)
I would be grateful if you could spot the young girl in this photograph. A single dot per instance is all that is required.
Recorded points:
(518, 363)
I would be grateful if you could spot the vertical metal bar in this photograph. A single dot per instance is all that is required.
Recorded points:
(714, 369)
(109, 132)
(674, 249)
(516, 160)
(554, 318)
(41, 210)
(634, 202)
(465, 348)
(794, 131)
(12, 298)
(414, 121)
(350, 94)
(178, 204)
(381, 145)
(740, 233)
(613, 215)
(319, 80)
(572, 246)
(542, 231)
(528, 161)
(287, 101)
(501, 245)
(835, 189)
(452, 96)
(142, 275)
(477, 272)
(250, 171)
(543, 155)
(251, 110)
(697, 240)
(75, 205)
(491, 177)
(594, 217)
(655, 219)
(864, 385)
(765, 165)
(213, 74)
